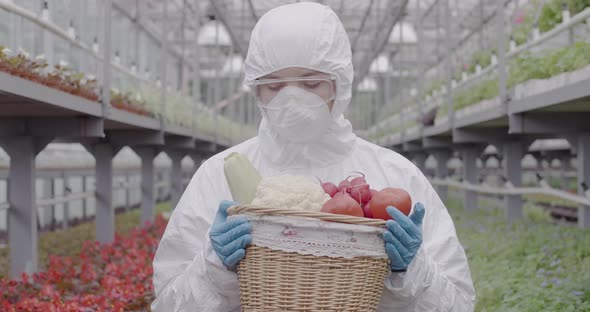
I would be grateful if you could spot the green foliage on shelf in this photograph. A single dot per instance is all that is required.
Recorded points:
(179, 109)
(551, 15)
(435, 85)
(577, 6)
(442, 111)
(485, 90)
(548, 64)
(152, 96)
(392, 109)
(458, 74)
(528, 265)
(389, 129)
(551, 200)
(481, 58)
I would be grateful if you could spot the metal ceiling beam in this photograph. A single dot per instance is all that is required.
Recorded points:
(155, 35)
(252, 10)
(462, 41)
(341, 8)
(239, 45)
(429, 9)
(480, 27)
(363, 22)
(381, 42)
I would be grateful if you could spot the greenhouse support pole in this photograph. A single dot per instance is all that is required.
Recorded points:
(106, 78)
(565, 167)
(420, 58)
(539, 160)
(66, 206)
(164, 68)
(148, 199)
(14, 23)
(176, 176)
(196, 91)
(216, 87)
(513, 153)
(449, 62)
(85, 199)
(22, 215)
(105, 214)
(128, 190)
(470, 155)
(584, 177)
(196, 74)
(49, 192)
(501, 35)
(48, 42)
(136, 40)
(420, 160)
(442, 171)
(197, 159)
(83, 33)
(482, 21)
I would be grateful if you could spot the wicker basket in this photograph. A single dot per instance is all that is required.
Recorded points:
(275, 280)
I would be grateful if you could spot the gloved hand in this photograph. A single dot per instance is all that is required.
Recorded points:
(403, 237)
(230, 238)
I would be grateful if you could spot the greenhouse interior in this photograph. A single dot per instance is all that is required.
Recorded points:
(125, 123)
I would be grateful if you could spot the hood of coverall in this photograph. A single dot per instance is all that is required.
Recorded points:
(306, 35)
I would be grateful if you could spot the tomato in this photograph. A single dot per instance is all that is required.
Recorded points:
(395, 197)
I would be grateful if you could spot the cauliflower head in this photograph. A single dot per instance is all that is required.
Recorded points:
(290, 192)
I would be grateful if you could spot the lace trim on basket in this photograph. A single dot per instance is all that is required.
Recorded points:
(316, 237)
(321, 248)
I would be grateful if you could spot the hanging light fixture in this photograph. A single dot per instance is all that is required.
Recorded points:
(368, 85)
(380, 65)
(403, 30)
(214, 43)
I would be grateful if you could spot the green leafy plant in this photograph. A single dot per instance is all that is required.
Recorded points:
(525, 265)
(549, 63)
(435, 85)
(442, 111)
(486, 89)
(577, 6)
(481, 58)
(178, 109)
(551, 15)
(536, 213)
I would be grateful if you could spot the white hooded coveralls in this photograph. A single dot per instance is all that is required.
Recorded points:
(189, 276)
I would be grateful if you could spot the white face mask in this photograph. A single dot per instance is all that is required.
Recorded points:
(298, 115)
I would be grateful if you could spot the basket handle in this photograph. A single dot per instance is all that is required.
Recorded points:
(256, 210)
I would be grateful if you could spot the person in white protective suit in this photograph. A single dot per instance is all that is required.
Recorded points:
(300, 69)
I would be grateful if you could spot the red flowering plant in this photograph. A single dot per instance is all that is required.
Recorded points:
(104, 277)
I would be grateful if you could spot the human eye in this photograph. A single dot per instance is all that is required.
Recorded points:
(275, 86)
(312, 84)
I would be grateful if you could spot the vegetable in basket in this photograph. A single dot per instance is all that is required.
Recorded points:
(285, 192)
(242, 178)
(290, 192)
(356, 198)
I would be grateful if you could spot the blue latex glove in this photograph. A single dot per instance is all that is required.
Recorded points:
(403, 236)
(230, 238)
